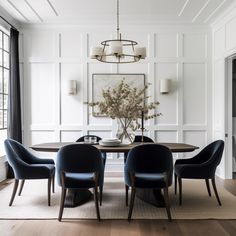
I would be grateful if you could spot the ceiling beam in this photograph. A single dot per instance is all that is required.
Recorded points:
(33, 10)
(200, 11)
(52, 7)
(216, 9)
(183, 8)
(13, 5)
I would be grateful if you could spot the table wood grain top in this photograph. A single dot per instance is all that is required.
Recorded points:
(54, 147)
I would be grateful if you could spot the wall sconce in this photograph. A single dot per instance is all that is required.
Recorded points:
(165, 85)
(72, 87)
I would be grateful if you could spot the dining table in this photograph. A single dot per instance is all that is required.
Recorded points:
(77, 197)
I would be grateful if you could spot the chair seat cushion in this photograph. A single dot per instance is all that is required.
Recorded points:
(193, 171)
(149, 180)
(50, 167)
(36, 171)
(79, 180)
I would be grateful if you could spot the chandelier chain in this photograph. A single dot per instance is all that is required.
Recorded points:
(118, 19)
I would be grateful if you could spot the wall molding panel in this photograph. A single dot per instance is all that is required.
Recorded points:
(63, 55)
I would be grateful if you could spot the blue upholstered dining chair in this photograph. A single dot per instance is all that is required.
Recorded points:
(138, 138)
(201, 166)
(79, 166)
(104, 157)
(149, 166)
(27, 166)
(81, 139)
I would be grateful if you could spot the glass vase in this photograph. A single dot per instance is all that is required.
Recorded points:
(124, 131)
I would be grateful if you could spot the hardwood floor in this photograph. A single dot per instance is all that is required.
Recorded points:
(117, 227)
(122, 227)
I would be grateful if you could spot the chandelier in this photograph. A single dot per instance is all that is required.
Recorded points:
(118, 50)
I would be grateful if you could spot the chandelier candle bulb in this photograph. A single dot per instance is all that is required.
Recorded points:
(140, 52)
(95, 52)
(116, 48)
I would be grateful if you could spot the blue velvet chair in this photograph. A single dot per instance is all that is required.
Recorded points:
(79, 166)
(138, 138)
(27, 166)
(81, 139)
(104, 157)
(149, 166)
(201, 166)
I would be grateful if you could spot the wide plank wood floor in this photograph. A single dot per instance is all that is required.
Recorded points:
(122, 227)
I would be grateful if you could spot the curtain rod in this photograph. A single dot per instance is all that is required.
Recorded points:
(12, 26)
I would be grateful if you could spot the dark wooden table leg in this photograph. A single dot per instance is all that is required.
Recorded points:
(151, 196)
(77, 197)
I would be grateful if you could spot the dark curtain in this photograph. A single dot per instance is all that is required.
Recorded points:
(14, 128)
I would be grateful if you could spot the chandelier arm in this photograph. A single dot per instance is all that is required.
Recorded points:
(119, 61)
(125, 42)
(133, 47)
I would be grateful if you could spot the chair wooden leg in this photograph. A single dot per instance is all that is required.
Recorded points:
(215, 190)
(96, 203)
(100, 194)
(133, 190)
(49, 191)
(175, 184)
(208, 187)
(53, 183)
(21, 187)
(126, 195)
(180, 190)
(125, 156)
(14, 191)
(167, 203)
(63, 195)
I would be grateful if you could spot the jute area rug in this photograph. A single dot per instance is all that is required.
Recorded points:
(32, 204)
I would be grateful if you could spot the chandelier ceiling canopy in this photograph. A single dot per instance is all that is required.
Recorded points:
(118, 50)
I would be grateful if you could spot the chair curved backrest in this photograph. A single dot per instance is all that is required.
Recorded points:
(138, 139)
(79, 158)
(14, 160)
(81, 139)
(211, 154)
(150, 158)
(22, 161)
(18, 151)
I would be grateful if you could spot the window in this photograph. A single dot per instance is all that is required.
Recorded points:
(4, 76)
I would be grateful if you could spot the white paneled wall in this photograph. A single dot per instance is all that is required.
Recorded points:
(52, 56)
(224, 46)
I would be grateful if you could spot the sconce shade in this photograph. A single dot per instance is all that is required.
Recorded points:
(165, 85)
(72, 87)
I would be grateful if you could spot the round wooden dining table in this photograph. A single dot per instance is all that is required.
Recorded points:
(77, 197)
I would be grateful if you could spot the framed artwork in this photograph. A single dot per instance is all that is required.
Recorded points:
(105, 81)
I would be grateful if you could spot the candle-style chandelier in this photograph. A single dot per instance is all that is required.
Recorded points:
(118, 50)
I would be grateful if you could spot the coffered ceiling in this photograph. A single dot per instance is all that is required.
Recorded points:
(104, 11)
